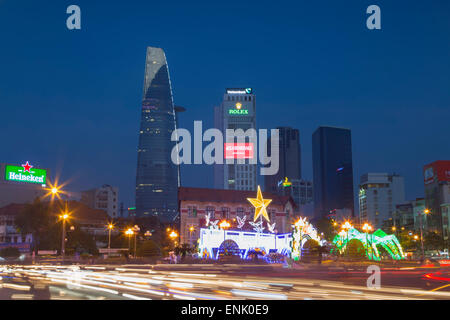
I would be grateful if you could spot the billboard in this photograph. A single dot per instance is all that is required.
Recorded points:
(238, 150)
(437, 171)
(25, 173)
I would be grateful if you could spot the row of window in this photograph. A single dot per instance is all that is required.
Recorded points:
(240, 98)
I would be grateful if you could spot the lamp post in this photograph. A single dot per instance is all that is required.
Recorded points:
(129, 232)
(224, 225)
(64, 217)
(110, 227)
(426, 211)
(346, 226)
(366, 227)
(136, 229)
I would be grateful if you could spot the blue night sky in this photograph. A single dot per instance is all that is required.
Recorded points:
(70, 100)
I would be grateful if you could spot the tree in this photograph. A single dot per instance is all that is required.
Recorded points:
(36, 219)
(148, 248)
(325, 226)
(81, 242)
(183, 250)
(433, 241)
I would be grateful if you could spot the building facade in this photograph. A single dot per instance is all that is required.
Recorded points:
(197, 203)
(332, 170)
(437, 195)
(237, 111)
(157, 177)
(379, 194)
(289, 159)
(105, 198)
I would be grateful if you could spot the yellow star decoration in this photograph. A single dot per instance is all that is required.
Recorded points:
(260, 205)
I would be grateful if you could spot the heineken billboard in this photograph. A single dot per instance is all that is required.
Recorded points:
(25, 173)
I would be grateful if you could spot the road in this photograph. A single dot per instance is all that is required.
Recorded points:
(218, 282)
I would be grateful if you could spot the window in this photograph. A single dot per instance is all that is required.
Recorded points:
(240, 212)
(210, 211)
(225, 213)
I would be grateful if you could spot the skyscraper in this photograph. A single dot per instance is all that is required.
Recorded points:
(157, 178)
(290, 159)
(332, 170)
(237, 111)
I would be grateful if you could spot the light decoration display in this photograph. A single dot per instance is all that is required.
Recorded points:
(214, 242)
(301, 233)
(260, 205)
(371, 243)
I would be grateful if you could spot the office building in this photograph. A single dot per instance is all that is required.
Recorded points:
(437, 196)
(379, 194)
(237, 111)
(105, 198)
(289, 159)
(157, 177)
(332, 170)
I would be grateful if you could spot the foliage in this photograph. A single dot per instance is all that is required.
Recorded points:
(148, 248)
(81, 242)
(325, 226)
(355, 249)
(9, 252)
(183, 250)
(36, 219)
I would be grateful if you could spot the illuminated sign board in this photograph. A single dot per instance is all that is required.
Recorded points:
(240, 91)
(25, 173)
(238, 110)
(238, 150)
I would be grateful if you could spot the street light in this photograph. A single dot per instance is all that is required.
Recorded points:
(224, 225)
(136, 229)
(173, 235)
(426, 211)
(129, 232)
(110, 227)
(366, 228)
(347, 226)
(64, 216)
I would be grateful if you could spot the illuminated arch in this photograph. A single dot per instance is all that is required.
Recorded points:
(303, 231)
(370, 242)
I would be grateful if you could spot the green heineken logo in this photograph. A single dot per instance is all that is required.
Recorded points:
(25, 173)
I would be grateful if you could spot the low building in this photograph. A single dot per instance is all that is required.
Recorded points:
(9, 235)
(195, 204)
(104, 198)
(91, 221)
(437, 194)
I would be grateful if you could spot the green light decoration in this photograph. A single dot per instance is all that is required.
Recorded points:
(371, 242)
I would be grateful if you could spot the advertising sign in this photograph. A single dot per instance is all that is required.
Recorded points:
(25, 173)
(238, 150)
(437, 171)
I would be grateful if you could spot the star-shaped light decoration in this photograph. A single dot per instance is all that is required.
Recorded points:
(27, 167)
(260, 205)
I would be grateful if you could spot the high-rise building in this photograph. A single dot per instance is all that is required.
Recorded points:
(437, 196)
(332, 170)
(157, 177)
(105, 198)
(379, 194)
(237, 111)
(289, 159)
